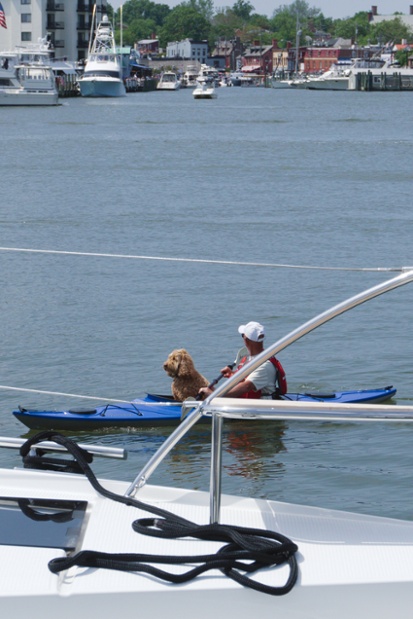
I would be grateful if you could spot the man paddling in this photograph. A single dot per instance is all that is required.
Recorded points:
(262, 381)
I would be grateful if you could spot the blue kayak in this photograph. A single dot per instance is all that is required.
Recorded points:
(155, 410)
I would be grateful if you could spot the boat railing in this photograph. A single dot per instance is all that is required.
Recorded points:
(219, 408)
(96, 450)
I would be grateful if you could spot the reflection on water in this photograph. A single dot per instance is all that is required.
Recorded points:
(252, 449)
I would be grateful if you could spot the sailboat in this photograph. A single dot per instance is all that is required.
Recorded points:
(102, 76)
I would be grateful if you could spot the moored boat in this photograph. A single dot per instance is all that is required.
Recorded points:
(102, 76)
(168, 81)
(336, 78)
(379, 74)
(28, 84)
(42, 54)
(189, 77)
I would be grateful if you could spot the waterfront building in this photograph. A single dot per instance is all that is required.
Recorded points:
(258, 58)
(319, 59)
(148, 48)
(188, 49)
(376, 18)
(65, 23)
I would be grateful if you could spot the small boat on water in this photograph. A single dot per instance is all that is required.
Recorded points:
(336, 78)
(156, 410)
(189, 77)
(73, 544)
(168, 81)
(102, 76)
(28, 84)
(204, 89)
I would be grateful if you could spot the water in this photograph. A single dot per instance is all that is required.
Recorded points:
(260, 176)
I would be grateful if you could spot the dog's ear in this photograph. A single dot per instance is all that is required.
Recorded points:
(186, 365)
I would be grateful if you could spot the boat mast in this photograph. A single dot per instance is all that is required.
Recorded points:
(92, 28)
(297, 44)
(121, 26)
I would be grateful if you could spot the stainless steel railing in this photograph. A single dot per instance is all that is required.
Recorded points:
(219, 408)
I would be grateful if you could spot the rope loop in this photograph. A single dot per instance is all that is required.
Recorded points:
(245, 550)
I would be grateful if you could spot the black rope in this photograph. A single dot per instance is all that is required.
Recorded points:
(27, 508)
(38, 460)
(246, 550)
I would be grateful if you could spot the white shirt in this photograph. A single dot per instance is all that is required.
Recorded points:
(263, 378)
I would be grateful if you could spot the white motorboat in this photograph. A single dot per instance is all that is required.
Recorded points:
(210, 74)
(102, 76)
(204, 89)
(189, 77)
(42, 53)
(336, 78)
(295, 81)
(236, 78)
(168, 81)
(28, 84)
(72, 545)
(382, 74)
(281, 83)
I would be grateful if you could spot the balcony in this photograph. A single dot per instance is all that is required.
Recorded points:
(55, 25)
(55, 6)
(84, 26)
(84, 7)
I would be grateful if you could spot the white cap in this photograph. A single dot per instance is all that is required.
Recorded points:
(253, 331)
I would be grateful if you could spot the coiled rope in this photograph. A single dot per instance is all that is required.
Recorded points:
(245, 551)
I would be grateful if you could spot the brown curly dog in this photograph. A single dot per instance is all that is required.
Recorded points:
(187, 381)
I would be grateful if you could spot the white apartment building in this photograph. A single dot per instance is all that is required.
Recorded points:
(66, 23)
(188, 50)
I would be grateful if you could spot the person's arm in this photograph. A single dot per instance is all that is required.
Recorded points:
(236, 392)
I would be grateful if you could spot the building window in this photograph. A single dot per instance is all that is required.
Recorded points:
(26, 18)
(26, 36)
(25, 1)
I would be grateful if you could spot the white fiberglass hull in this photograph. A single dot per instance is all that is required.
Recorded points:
(101, 87)
(22, 97)
(328, 84)
(281, 83)
(168, 86)
(204, 95)
(349, 565)
(204, 91)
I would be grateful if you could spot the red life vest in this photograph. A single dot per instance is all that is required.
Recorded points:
(280, 387)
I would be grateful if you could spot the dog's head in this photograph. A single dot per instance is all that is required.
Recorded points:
(179, 363)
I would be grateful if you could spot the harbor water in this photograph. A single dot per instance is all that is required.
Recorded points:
(133, 226)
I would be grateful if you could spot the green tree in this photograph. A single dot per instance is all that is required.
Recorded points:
(139, 29)
(391, 30)
(402, 56)
(243, 9)
(287, 19)
(260, 21)
(184, 22)
(226, 23)
(356, 27)
(203, 7)
(144, 9)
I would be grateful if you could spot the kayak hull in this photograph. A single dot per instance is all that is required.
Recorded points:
(158, 410)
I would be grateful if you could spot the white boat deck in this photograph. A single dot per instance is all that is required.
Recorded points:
(358, 558)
